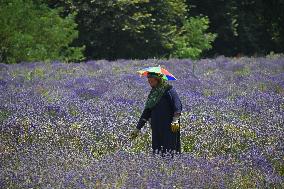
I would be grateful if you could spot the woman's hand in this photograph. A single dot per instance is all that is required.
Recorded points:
(175, 124)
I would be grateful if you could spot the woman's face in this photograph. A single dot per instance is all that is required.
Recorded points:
(153, 82)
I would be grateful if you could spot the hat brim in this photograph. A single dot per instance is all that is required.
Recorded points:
(154, 75)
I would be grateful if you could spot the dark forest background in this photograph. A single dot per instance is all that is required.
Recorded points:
(70, 30)
(248, 27)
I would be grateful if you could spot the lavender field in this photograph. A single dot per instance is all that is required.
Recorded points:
(65, 125)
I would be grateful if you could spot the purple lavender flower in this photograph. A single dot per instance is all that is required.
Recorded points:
(69, 128)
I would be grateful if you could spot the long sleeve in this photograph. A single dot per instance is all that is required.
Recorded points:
(176, 102)
(144, 118)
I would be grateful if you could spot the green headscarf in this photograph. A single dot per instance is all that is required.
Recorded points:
(156, 92)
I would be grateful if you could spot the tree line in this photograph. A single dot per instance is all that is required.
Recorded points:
(69, 30)
(247, 27)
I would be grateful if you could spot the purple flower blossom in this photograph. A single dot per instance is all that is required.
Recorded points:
(65, 125)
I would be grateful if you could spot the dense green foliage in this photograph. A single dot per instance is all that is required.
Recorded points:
(193, 39)
(243, 27)
(137, 28)
(32, 31)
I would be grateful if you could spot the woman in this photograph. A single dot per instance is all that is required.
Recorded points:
(163, 109)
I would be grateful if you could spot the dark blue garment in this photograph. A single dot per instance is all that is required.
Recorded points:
(163, 139)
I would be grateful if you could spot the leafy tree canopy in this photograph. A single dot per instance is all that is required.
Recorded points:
(32, 31)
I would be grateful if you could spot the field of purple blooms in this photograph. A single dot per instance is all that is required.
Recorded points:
(65, 125)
